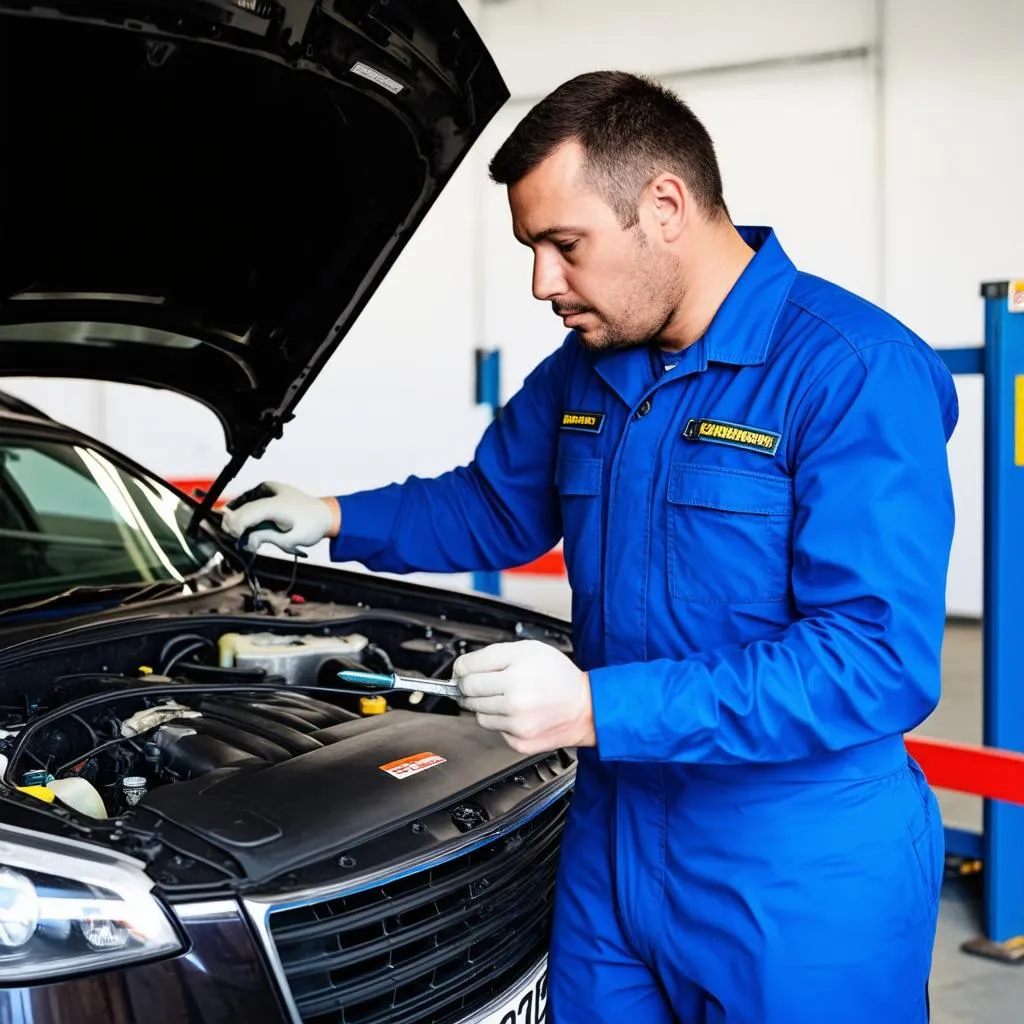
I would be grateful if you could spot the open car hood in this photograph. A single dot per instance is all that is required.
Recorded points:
(201, 195)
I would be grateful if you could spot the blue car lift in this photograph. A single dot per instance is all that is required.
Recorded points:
(1000, 846)
(488, 392)
(1000, 360)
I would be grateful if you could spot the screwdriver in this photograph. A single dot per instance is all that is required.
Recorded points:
(393, 681)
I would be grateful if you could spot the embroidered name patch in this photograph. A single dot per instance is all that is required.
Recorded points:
(736, 434)
(589, 422)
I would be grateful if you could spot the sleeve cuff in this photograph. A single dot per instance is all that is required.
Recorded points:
(627, 714)
(367, 518)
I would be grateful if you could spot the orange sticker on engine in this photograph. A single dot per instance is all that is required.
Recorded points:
(407, 766)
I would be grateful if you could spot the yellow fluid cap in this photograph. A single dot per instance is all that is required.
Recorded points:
(40, 792)
(145, 670)
(373, 705)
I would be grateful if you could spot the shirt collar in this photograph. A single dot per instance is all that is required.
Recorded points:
(740, 333)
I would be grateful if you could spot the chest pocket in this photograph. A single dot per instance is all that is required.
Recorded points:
(579, 490)
(729, 535)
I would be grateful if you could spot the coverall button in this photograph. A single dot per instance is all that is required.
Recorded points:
(645, 408)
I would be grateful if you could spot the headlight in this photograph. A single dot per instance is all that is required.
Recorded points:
(66, 908)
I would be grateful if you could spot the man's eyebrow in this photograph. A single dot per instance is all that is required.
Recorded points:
(559, 229)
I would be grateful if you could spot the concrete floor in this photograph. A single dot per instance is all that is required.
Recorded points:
(964, 988)
(967, 988)
(959, 715)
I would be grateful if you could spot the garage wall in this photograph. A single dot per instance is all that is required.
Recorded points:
(539, 43)
(953, 211)
(877, 136)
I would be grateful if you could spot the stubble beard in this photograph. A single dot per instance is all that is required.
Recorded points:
(654, 293)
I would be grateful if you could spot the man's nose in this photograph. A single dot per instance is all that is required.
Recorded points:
(548, 279)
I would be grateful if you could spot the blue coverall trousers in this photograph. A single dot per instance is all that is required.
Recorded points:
(730, 896)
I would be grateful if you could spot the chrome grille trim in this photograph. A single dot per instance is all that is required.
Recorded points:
(206, 910)
(259, 909)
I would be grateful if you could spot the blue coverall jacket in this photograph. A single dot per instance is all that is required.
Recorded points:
(757, 542)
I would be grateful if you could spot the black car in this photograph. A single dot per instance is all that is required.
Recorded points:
(199, 822)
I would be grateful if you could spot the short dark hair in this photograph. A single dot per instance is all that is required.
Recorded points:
(631, 129)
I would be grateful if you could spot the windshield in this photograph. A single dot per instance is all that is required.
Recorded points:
(71, 517)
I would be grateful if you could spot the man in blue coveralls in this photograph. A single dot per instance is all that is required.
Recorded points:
(748, 466)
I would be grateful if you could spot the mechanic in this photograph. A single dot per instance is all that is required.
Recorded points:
(748, 465)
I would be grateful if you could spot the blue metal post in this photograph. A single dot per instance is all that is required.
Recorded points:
(1003, 624)
(963, 843)
(1001, 843)
(488, 392)
(963, 361)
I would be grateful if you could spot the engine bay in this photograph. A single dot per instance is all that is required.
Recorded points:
(98, 728)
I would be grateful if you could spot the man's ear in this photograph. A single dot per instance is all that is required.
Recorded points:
(670, 203)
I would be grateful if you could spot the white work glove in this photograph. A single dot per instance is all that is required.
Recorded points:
(529, 692)
(284, 515)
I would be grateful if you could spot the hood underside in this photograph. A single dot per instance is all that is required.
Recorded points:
(201, 196)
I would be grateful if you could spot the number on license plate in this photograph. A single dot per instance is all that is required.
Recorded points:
(528, 1004)
(532, 1007)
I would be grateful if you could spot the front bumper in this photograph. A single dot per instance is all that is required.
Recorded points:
(223, 979)
(231, 970)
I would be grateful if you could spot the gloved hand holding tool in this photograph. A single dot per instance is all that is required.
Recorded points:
(529, 692)
(276, 513)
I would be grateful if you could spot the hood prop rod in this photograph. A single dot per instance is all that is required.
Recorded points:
(216, 490)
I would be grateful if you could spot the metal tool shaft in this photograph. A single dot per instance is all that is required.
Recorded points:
(393, 681)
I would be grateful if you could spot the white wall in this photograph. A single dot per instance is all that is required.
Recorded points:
(539, 43)
(880, 137)
(954, 78)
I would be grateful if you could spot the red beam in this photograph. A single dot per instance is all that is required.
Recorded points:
(550, 564)
(983, 771)
(195, 486)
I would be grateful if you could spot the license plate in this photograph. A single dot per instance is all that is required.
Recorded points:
(525, 1003)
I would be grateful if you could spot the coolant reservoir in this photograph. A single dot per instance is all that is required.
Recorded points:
(79, 794)
(297, 658)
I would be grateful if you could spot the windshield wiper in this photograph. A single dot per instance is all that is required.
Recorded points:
(76, 595)
(152, 591)
(99, 592)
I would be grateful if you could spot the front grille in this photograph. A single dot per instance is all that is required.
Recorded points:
(429, 948)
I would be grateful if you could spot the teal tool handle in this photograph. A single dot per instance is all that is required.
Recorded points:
(374, 680)
(378, 681)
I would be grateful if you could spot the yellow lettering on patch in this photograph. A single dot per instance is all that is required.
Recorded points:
(724, 432)
(587, 421)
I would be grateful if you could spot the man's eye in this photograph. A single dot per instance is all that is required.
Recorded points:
(567, 247)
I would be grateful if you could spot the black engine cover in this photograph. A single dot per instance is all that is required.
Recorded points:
(233, 732)
(274, 816)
